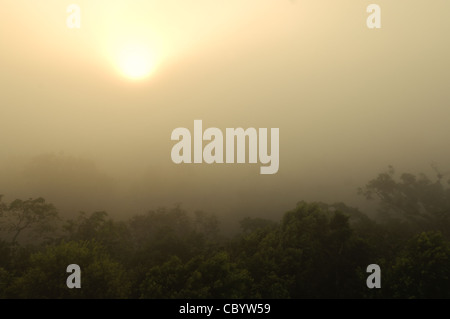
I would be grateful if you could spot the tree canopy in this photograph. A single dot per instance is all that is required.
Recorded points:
(316, 250)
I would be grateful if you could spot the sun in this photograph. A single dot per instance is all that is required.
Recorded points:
(136, 62)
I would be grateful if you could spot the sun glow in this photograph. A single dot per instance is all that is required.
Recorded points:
(136, 62)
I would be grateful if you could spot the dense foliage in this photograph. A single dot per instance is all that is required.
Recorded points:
(316, 250)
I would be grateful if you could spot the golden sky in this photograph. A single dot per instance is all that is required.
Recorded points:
(348, 100)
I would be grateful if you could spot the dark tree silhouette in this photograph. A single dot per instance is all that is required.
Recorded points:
(33, 216)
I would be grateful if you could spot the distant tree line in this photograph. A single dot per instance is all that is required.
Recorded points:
(316, 250)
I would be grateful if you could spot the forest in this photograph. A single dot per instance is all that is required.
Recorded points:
(316, 250)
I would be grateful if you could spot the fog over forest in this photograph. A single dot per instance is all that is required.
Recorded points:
(349, 101)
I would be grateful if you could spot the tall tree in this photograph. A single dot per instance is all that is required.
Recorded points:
(32, 216)
(419, 201)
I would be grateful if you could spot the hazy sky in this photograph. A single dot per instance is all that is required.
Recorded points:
(348, 100)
